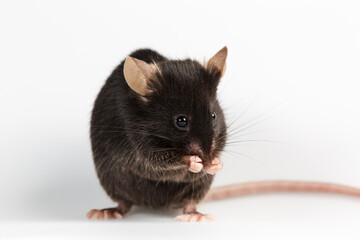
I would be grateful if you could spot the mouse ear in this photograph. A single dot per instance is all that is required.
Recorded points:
(137, 74)
(218, 61)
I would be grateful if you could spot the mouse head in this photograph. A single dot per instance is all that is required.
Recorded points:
(176, 102)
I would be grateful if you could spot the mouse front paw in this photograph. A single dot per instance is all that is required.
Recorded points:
(195, 164)
(216, 166)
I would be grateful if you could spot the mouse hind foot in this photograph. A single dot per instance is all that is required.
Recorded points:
(194, 217)
(110, 213)
(191, 215)
(106, 213)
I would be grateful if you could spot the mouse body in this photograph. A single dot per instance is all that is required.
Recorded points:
(157, 130)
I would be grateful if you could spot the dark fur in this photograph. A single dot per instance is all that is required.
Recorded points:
(139, 153)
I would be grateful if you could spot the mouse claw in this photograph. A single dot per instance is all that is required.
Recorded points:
(195, 164)
(216, 166)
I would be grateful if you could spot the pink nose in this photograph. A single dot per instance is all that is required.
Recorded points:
(195, 149)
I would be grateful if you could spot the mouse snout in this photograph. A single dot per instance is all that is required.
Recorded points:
(206, 156)
(195, 149)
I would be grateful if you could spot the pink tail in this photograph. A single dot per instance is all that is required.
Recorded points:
(278, 186)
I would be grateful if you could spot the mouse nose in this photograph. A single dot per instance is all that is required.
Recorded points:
(195, 149)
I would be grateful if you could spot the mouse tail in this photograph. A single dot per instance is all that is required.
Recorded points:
(250, 188)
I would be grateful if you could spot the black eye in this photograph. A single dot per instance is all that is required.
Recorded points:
(182, 121)
(213, 115)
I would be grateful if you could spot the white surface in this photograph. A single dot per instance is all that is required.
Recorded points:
(294, 65)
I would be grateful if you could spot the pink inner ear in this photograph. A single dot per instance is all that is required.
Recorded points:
(219, 60)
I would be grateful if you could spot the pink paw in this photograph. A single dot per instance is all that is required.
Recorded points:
(194, 217)
(195, 164)
(110, 213)
(216, 166)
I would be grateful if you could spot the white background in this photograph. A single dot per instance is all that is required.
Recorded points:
(292, 78)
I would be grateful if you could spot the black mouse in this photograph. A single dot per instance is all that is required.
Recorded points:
(157, 131)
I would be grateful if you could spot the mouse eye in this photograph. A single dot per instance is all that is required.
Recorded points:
(213, 115)
(182, 121)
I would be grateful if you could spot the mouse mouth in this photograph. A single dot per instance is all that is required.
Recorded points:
(195, 149)
(197, 153)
